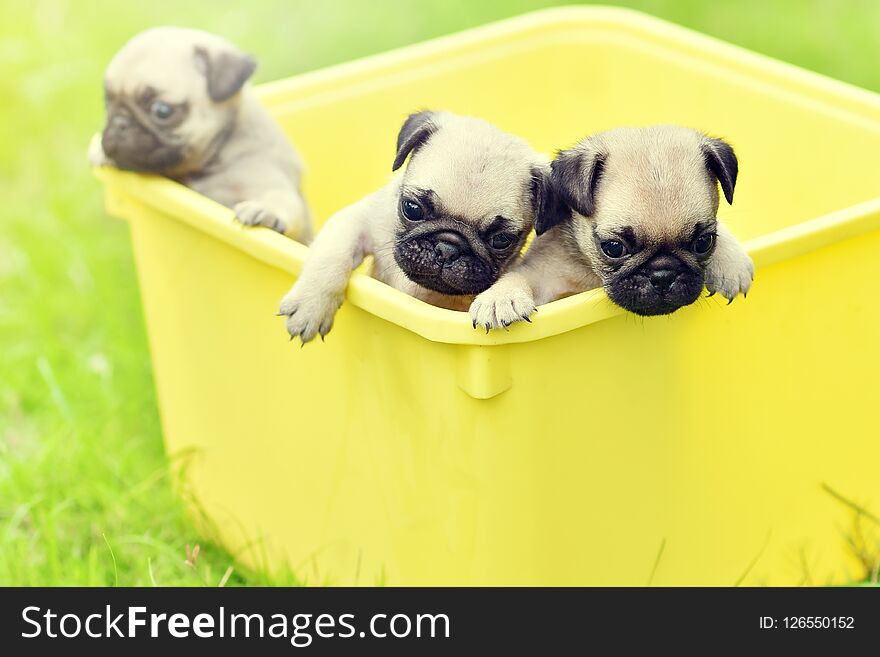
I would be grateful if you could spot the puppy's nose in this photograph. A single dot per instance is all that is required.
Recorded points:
(662, 279)
(120, 122)
(446, 252)
(662, 270)
(449, 247)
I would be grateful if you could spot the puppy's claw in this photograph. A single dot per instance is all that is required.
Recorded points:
(731, 270)
(310, 315)
(487, 329)
(475, 323)
(712, 293)
(526, 318)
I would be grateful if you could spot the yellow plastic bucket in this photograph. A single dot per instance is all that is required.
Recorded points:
(590, 447)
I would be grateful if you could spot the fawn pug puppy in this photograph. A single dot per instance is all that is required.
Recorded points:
(443, 230)
(177, 105)
(637, 216)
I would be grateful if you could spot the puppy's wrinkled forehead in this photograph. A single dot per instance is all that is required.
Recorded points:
(655, 180)
(476, 170)
(162, 59)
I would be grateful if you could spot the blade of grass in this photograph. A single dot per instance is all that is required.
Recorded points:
(112, 556)
(657, 561)
(150, 570)
(754, 561)
(862, 511)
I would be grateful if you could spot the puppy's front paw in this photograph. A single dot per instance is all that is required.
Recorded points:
(502, 305)
(730, 274)
(254, 213)
(309, 314)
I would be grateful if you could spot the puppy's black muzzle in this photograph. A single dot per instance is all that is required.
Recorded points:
(116, 132)
(445, 258)
(135, 145)
(660, 286)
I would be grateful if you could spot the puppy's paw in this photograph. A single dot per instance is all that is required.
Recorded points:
(254, 213)
(97, 157)
(309, 314)
(502, 305)
(730, 275)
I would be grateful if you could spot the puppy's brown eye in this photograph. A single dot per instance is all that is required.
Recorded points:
(613, 248)
(412, 210)
(161, 111)
(704, 243)
(501, 241)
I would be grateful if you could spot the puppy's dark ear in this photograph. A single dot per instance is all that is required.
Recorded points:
(721, 161)
(549, 209)
(226, 71)
(575, 175)
(416, 130)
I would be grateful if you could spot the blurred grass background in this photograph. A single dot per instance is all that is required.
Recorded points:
(85, 491)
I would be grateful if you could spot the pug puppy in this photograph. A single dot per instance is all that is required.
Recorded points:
(443, 230)
(636, 215)
(177, 105)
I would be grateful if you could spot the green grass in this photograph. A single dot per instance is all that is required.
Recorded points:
(85, 490)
